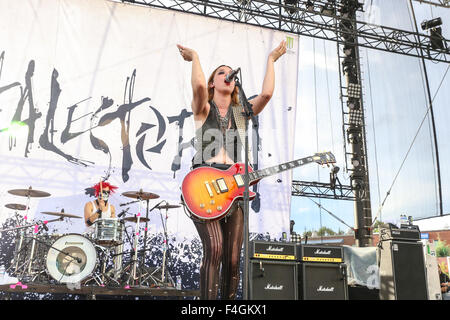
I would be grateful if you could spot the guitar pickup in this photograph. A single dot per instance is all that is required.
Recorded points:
(222, 185)
(239, 180)
(209, 189)
(216, 186)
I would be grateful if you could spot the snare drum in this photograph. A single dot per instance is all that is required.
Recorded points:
(108, 231)
(71, 259)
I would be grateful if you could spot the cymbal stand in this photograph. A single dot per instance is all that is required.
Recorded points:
(33, 245)
(103, 277)
(144, 250)
(26, 265)
(15, 265)
(135, 245)
(165, 252)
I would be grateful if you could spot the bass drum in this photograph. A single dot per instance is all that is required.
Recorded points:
(71, 259)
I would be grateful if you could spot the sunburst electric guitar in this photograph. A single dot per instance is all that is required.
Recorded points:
(208, 193)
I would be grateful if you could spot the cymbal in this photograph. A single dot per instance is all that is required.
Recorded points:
(62, 214)
(29, 193)
(16, 206)
(168, 206)
(140, 195)
(134, 219)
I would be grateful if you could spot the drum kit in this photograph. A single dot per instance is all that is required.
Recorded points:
(95, 258)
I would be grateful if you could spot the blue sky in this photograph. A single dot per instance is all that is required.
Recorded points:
(395, 103)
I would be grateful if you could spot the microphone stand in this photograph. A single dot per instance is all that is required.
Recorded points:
(248, 113)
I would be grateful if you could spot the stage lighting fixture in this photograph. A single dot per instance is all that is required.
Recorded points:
(356, 118)
(348, 49)
(328, 9)
(353, 103)
(347, 62)
(309, 6)
(436, 38)
(354, 91)
(291, 3)
(431, 23)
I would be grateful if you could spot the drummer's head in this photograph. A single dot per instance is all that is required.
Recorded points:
(103, 190)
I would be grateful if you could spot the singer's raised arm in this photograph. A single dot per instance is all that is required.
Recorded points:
(260, 101)
(198, 82)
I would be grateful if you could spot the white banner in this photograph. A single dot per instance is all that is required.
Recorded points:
(92, 89)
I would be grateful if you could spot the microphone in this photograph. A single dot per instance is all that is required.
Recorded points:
(230, 77)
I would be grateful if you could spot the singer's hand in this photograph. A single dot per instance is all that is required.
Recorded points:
(278, 51)
(186, 53)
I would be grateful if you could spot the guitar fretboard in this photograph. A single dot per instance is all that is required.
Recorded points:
(259, 174)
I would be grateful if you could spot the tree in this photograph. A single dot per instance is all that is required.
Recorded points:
(307, 234)
(376, 226)
(324, 231)
(442, 250)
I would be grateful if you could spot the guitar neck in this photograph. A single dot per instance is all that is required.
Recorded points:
(270, 171)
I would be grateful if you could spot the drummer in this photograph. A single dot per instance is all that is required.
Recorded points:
(99, 208)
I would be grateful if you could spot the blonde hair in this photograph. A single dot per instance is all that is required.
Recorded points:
(234, 94)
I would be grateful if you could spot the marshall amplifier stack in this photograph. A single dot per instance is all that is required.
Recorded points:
(323, 275)
(273, 271)
(290, 271)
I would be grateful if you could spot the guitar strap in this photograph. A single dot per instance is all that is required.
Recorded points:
(240, 124)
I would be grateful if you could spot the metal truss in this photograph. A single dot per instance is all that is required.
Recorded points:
(322, 190)
(310, 19)
(437, 3)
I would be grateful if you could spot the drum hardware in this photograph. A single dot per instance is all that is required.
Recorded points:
(135, 218)
(31, 266)
(126, 204)
(29, 193)
(16, 206)
(74, 258)
(140, 196)
(138, 273)
(162, 269)
(168, 206)
(62, 214)
(104, 276)
(39, 223)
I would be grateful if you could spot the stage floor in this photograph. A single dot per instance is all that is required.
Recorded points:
(93, 292)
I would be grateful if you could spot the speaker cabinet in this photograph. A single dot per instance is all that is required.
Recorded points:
(273, 280)
(402, 271)
(323, 281)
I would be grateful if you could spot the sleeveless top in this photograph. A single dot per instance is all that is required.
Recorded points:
(105, 214)
(209, 139)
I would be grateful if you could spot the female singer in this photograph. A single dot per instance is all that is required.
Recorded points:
(218, 145)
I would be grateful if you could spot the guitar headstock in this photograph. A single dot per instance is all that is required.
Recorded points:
(323, 158)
